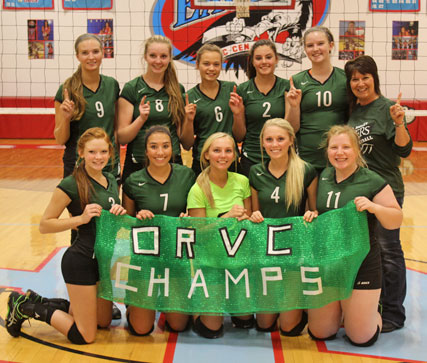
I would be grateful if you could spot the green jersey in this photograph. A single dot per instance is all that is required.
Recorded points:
(235, 191)
(332, 195)
(100, 111)
(271, 191)
(169, 198)
(212, 115)
(260, 107)
(375, 128)
(323, 105)
(105, 197)
(133, 92)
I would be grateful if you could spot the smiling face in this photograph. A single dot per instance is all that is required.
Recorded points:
(158, 149)
(96, 154)
(342, 153)
(221, 153)
(89, 54)
(317, 47)
(264, 60)
(209, 66)
(158, 57)
(363, 87)
(276, 142)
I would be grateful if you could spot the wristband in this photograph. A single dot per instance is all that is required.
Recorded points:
(398, 125)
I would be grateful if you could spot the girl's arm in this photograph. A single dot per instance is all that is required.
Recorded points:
(187, 128)
(292, 102)
(256, 215)
(129, 205)
(50, 221)
(312, 212)
(197, 212)
(239, 121)
(63, 114)
(127, 130)
(384, 206)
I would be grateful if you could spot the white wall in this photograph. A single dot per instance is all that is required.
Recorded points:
(20, 76)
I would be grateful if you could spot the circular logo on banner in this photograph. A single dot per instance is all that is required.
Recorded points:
(190, 24)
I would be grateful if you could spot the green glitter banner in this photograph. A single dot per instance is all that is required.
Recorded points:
(220, 265)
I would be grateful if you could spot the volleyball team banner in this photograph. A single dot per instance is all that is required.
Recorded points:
(28, 4)
(223, 266)
(87, 4)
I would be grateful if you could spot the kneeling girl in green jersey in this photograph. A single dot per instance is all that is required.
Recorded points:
(159, 188)
(281, 189)
(219, 193)
(348, 179)
(84, 193)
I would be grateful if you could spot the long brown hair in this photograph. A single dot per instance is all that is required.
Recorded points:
(74, 84)
(251, 71)
(84, 185)
(176, 102)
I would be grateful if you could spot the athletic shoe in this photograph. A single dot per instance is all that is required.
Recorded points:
(15, 318)
(388, 327)
(34, 297)
(117, 314)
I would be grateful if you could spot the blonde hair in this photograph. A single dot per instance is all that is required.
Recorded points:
(74, 84)
(203, 178)
(208, 47)
(354, 140)
(176, 102)
(84, 185)
(294, 188)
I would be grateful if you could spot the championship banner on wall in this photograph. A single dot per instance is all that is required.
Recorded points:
(28, 4)
(393, 5)
(191, 24)
(220, 265)
(87, 4)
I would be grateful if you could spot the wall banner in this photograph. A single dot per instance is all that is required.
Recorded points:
(87, 4)
(394, 5)
(220, 265)
(28, 4)
(190, 24)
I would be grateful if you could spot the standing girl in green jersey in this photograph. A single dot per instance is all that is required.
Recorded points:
(280, 189)
(317, 98)
(86, 99)
(154, 98)
(219, 193)
(85, 194)
(349, 180)
(159, 188)
(384, 140)
(207, 110)
(257, 100)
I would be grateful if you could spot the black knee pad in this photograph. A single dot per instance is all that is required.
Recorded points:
(187, 326)
(243, 324)
(205, 332)
(297, 329)
(74, 335)
(369, 342)
(271, 328)
(132, 330)
(331, 337)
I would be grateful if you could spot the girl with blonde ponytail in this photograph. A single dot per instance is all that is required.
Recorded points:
(86, 99)
(280, 188)
(219, 193)
(85, 194)
(154, 98)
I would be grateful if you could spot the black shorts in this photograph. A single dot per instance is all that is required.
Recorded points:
(369, 275)
(79, 269)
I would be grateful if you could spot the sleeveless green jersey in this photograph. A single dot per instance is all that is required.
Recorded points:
(271, 191)
(133, 91)
(322, 105)
(100, 111)
(105, 197)
(259, 108)
(212, 115)
(169, 198)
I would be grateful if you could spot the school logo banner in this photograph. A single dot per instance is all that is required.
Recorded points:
(190, 24)
(222, 266)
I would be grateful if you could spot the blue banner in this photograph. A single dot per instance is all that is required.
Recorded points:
(394, 5)
(87, 4)
(28, 4)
